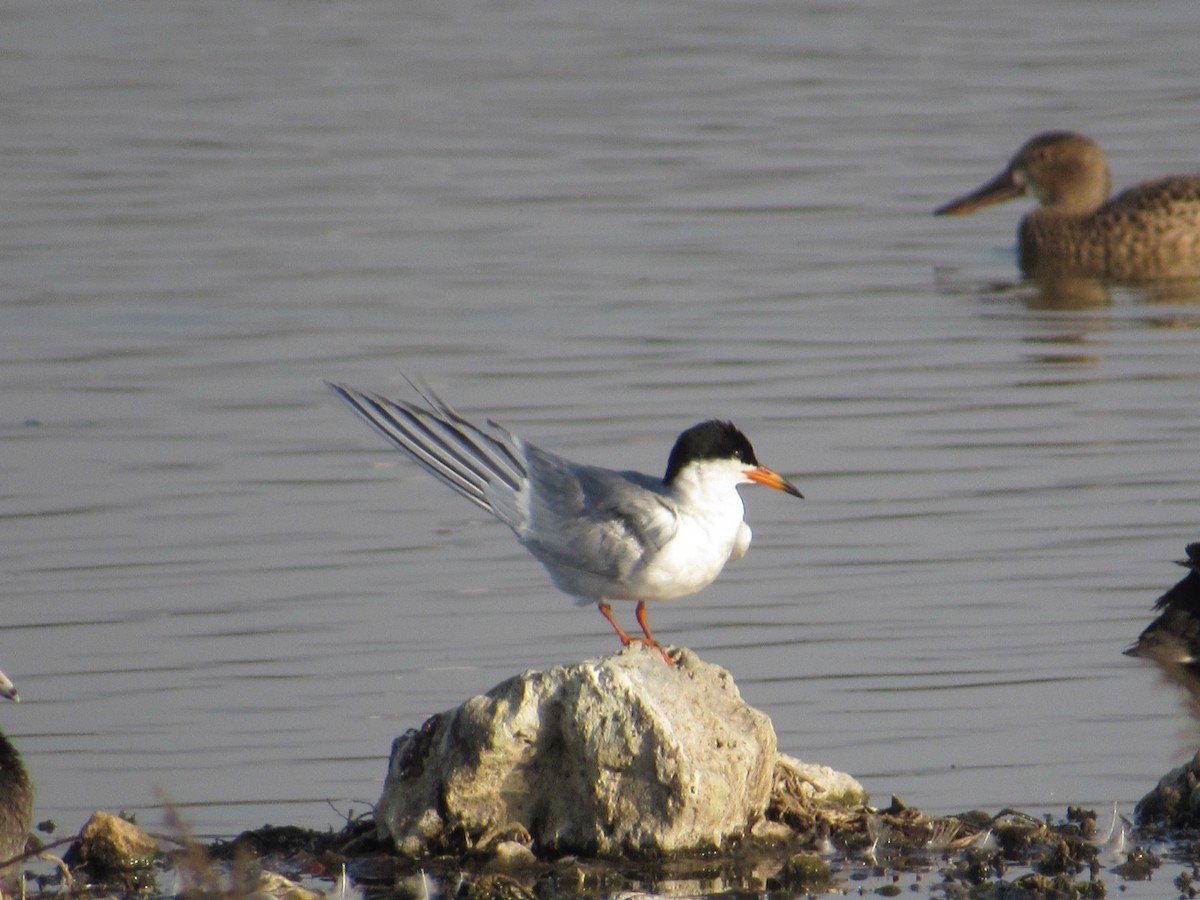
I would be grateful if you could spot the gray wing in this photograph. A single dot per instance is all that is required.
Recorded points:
(587, 523)
(591, 527)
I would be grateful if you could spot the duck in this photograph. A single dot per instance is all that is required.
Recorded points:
(16, 793)
(1174, 637)
(1148, 232)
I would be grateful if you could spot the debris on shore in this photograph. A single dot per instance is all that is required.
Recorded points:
(624, 775)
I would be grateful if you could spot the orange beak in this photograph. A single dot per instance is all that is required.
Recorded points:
(772, 479)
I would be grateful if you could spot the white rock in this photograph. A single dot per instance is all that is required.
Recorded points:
(610, 756)
(813, 782)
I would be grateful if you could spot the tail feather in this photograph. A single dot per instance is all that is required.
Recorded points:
(503, 448)
(485, 469)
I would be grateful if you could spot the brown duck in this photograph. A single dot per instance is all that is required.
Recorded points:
(1150, 231)
(16, 793)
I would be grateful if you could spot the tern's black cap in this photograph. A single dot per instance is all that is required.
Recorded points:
(713, 439)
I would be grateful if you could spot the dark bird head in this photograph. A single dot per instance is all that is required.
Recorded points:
(718, 441)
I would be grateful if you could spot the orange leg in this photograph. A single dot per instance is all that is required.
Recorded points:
(626, 640)
(641, 617)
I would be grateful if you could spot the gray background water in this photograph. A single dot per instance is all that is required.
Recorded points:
(597, 222)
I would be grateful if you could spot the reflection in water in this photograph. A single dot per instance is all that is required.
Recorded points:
(1168, 291)
(1064, 290)
(1054, 289)
(1148, 232)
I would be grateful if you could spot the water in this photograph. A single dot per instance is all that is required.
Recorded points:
(598, 223)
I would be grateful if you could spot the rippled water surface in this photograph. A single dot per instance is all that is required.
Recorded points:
(598, 223)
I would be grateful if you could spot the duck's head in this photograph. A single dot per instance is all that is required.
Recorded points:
(1064, 170)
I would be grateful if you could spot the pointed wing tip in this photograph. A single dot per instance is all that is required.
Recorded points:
(353, 396)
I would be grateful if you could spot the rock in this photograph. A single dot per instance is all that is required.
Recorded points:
(814, 783)
(1175, 801)
(812, 799)
(109, 847)
(621, 755)
(767, 832)
(804, 873)
(496, 887)
(274, 885)
(511, 855)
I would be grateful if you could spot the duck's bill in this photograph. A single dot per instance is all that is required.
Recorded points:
(772, 479)
(7, 690)
(1004, 186)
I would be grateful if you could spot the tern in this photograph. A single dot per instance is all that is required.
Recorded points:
(602, 535)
